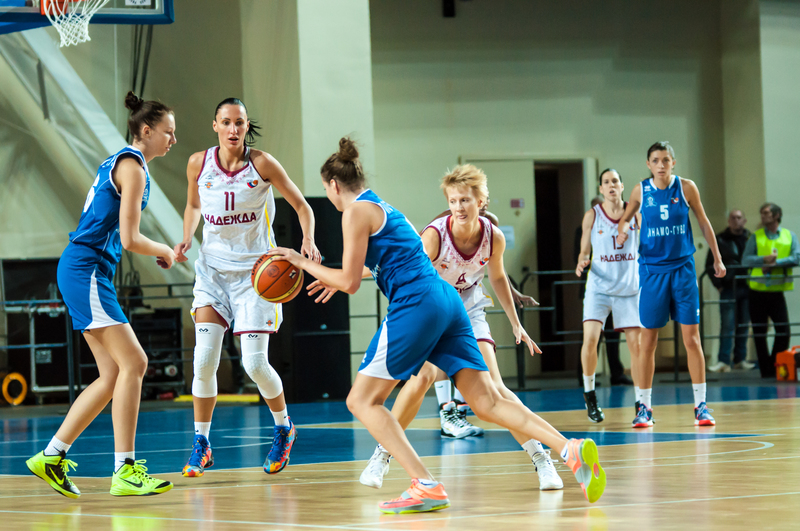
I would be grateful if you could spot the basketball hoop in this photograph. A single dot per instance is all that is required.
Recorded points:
(71, 18)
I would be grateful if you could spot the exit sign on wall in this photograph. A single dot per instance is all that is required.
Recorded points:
(517, 203)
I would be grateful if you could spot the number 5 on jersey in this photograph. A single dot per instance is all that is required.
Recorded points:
(664, 211)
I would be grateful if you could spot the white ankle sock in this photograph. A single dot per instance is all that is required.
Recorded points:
(638, 393)
(202, 428)
(533, 447)
(281, 417)
(588, 383)
(120, 457)
(699, 393)
(443, 391)
(565, 452)
(428, 483)
(56, 446)
(458, 396)
(647, 398)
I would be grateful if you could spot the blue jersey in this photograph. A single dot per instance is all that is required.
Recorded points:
(666, 241)
(395, 254)
(98, 227)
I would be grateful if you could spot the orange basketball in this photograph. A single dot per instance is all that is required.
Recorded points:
(276, 281)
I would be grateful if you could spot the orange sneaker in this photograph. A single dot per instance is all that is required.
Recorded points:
(417, 499)
(582, 458)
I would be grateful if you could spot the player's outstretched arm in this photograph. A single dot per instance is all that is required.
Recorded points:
(692, 195)
(585, 257)
(630, 212)
(499, 281)
(359, 220)
(130, 179)
(191, 214)
(272, 171)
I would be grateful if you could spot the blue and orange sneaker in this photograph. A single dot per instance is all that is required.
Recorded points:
(200, 459)
(583, 459)
(644, 417)
(282, 440)
(702, 416)
(417, 499)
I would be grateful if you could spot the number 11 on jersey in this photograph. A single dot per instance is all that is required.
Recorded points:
(227, 198)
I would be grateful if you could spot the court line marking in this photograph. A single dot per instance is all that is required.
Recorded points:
(298, 481)
(354, 420)
(765, 445)
(143, 452)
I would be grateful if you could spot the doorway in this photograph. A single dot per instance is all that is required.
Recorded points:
(559, 189)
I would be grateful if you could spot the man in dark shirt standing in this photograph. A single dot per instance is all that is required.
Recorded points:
(734, 315)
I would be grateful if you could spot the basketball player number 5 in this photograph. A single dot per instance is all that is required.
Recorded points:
(664, 211)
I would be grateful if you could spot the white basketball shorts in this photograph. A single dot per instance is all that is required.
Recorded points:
(232, 296)
(597, 306)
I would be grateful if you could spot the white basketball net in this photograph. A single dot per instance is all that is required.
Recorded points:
(71, 18)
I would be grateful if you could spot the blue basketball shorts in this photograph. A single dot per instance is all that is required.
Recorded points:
(673, 293)
(86, 282)
(424, 323)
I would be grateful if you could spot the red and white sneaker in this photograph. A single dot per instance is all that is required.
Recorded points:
(582, 458)
(417, 499)
(702, 416)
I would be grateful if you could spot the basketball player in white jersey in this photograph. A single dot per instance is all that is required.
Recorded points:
(230, 186)
(462, 246)
(612, 284)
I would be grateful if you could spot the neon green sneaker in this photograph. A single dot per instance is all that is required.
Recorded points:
(53, 469)
(132, 480)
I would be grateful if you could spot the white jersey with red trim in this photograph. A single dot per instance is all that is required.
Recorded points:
(465, 273)
(238, 209)
(615, 268)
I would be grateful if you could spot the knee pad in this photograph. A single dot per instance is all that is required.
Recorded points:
(208, 345)
(256, 364)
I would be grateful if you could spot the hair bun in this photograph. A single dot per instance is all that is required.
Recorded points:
(133, 102)
(347, 150)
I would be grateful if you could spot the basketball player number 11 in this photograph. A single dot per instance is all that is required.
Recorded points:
(231, 200)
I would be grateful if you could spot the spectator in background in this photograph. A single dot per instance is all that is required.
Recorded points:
(771, 252)
(735, 314)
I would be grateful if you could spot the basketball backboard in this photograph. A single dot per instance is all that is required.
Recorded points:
(20, 15)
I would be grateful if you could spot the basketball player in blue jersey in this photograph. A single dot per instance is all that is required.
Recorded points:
(667, 279)
(110, 221)
(426, 322)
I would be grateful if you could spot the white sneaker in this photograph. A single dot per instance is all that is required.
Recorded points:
(377, 468)
(720, 367)
(548, 477)
(452, 424)
(744, 366)
(461, 411)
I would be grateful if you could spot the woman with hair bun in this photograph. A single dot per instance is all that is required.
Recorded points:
(426, 321)
(231, 187)
(110, 222)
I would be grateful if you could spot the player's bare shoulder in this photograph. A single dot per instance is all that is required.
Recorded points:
(266, 165)
(195, 165)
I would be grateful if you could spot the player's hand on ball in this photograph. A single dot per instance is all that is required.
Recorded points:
(180, 251)
(719, 269)
(522, 336)
(310, 251)
(622, 238)
(582, 265)
(327, 291)
(284, 253)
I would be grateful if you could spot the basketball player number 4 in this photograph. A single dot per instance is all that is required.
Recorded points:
(664, 211)
(90, 195)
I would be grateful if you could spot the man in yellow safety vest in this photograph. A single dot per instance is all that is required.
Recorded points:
(771, 252)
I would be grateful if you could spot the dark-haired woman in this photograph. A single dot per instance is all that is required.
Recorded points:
(109, 222)
(667, 278)
(426, 322)
(230, 186)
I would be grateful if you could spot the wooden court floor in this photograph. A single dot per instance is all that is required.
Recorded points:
(742, 474)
